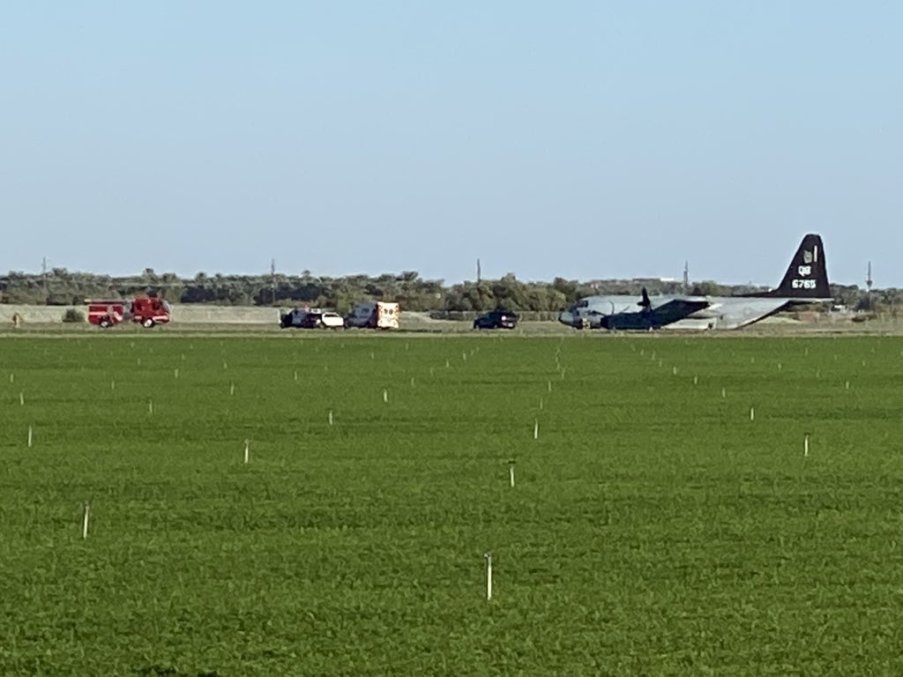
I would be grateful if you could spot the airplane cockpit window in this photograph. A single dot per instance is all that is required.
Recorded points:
(583, 304)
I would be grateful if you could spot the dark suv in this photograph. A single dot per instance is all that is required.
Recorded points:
(496, 319)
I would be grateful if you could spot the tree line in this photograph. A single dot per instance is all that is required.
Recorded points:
(59, 286)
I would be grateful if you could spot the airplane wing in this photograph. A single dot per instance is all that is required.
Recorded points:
(678, 308)
(654, 314)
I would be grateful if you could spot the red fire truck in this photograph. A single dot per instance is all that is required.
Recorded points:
(146, 311)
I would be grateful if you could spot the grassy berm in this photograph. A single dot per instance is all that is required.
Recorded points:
(665, 517)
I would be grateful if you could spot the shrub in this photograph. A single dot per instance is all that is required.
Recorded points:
(73, 315)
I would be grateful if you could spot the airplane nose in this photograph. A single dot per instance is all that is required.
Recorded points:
(566, 317)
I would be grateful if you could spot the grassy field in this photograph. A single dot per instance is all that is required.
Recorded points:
(654, 528)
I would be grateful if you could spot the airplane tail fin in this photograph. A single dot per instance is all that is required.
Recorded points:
(807, 275)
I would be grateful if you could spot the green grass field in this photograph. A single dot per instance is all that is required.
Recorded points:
(653, 529)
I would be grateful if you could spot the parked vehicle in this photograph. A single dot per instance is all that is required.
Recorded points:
(105, 314)
(375, 315)
(311, 318)
(144, 310)
(496, 319)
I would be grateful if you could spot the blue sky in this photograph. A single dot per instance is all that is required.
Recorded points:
(574, 139)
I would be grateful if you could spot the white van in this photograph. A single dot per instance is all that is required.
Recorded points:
(375, 314)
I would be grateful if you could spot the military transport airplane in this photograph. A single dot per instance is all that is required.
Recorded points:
(805, 282)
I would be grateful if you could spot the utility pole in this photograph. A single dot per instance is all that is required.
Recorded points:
(868, 287)
(273, 279)
(686, 276)
(44, 278)
(478, 271)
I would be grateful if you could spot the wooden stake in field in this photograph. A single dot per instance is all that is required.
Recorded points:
(386, 396)
(488, 556)
(723, 393)
(540, 404)
(296, 374)
(86, 515)
(175, 372)
(22, 399)
(511, 472)
(412, 381)
(536, 429)
(30, 437)
(695, 380)
(550, 386)
(846, 385)
(752, 414)
(330, 417)
(247, 450)
(805, 444)
(150, 407)
(231, 388)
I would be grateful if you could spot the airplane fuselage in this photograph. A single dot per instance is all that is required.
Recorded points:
(806, 281)
(720, 312)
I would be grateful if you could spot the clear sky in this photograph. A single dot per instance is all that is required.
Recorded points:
(577, 139)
